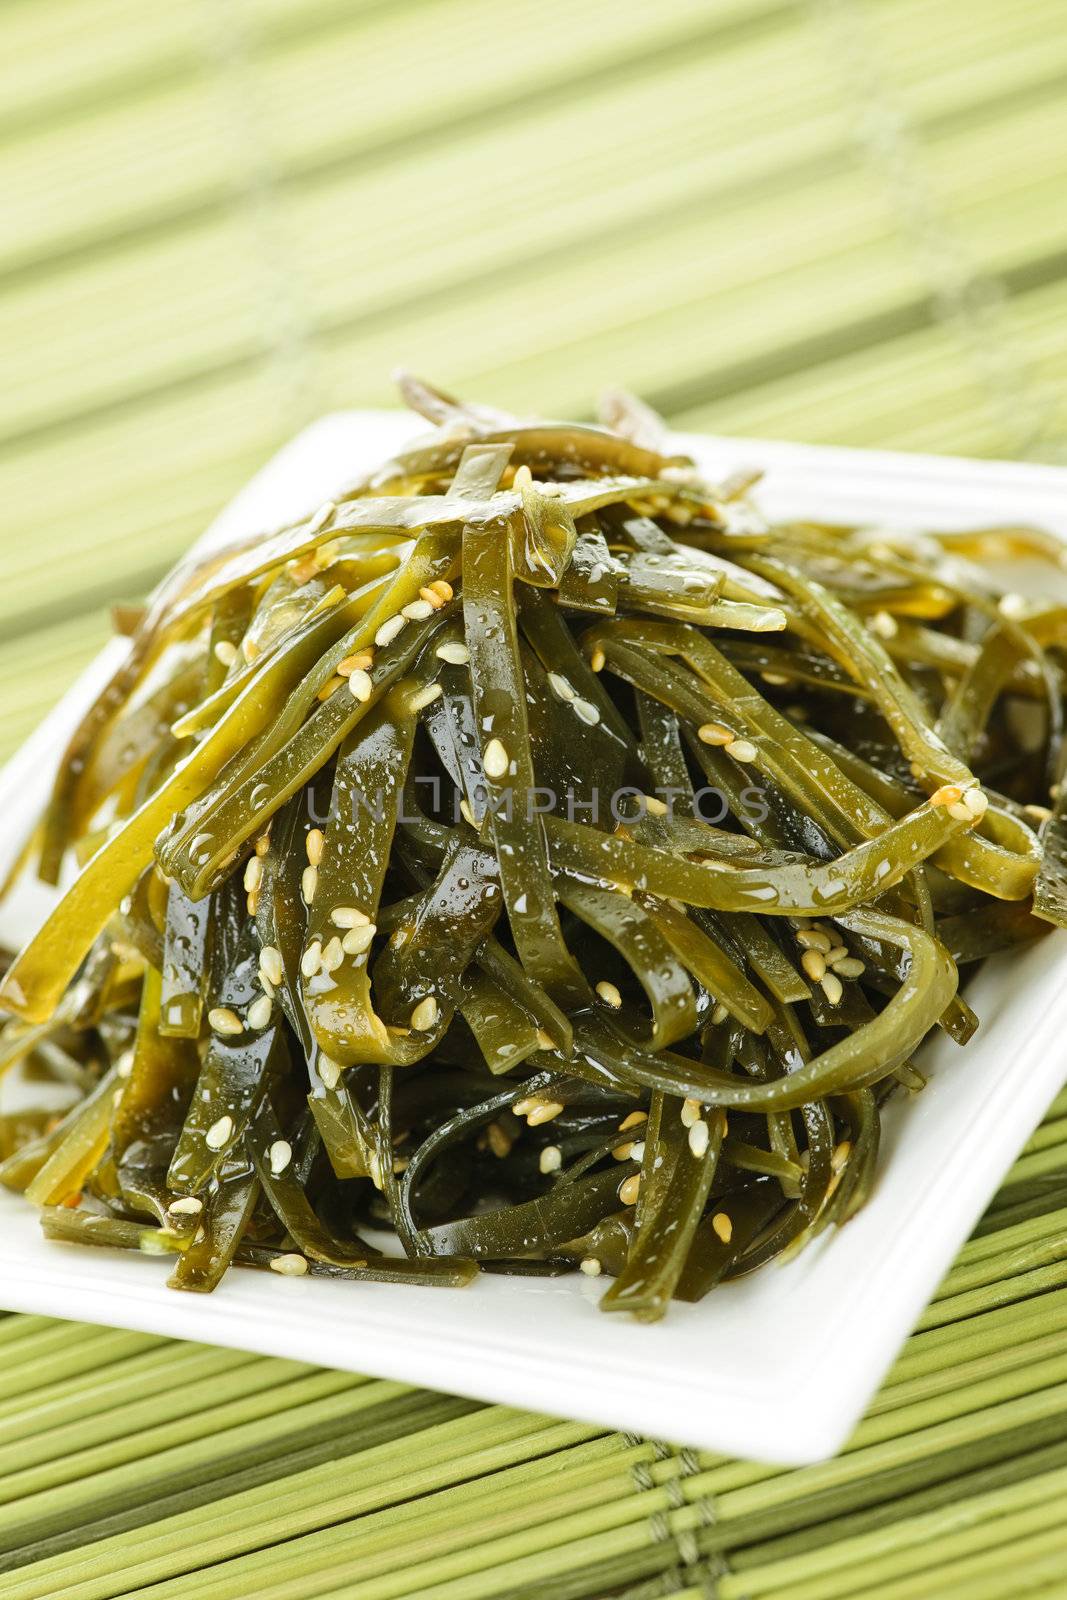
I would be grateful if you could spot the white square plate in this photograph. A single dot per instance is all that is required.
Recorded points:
(779, 1366)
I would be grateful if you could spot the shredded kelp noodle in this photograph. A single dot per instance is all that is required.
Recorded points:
(532, 859)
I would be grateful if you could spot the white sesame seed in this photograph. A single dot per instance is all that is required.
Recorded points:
(314, 844)
(309, 882)
(884, 624)
(348, 917)
(590, 1266)
(543, 1111)
(425, 1014)
(814, 964)
(960, 813)
(814, 939)
(586, 712)
(775, 679)
(637, 1150)
(432, 598)
(124, 1064)
(360, 685)
(976, 802)
(1013, 605)
(332, 955)
(259, 1012)
(225, 652)
(271, 966)
(561, 687)
(609, 994)
(838, 953)
(699, 1134)
(849, 967)
(222, 1020)
(633, 1120)
(417, 610)
(289, 1266)
(187, 1206)
(219, 1133)
(630, 1188)
(741, 750)
(690, 1113)
(452, 651)
(356, 940)
(279, 1155)
(723, 1227)
(832, 988)
(253, 873)
(550, 1159)
(329, 1071)
(654, 806)
(311, 960)
(425, 697)
(389, 630)
(714, 733)
(495, 760)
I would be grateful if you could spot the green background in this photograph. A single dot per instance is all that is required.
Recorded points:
(837, 220)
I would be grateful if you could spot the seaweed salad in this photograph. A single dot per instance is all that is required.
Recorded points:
(533, 861)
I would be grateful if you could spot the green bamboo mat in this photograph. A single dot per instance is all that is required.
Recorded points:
(135, 1466)
(835, 220)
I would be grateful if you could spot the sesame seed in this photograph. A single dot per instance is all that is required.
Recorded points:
(543, 1111)
(313, 844)
(417, 610)
(590, 1266)
(630, 1188)
(348, 917)
(838, 953)
(332, 955)
(225, 652)
(597, 660)
(331, 686)
(389, 630)
(561, 687)
(699, 1134)
(976, 802)
(690, 1113)
(321, 517)
(720, 1014)
(425, 1015)
(329, 1071)
(814, 964)
(723, 1227)
(1037, 813)
(499, 1140)
(289, 1266)
(550, 1159)
(442, 587)
(425, 697)
(637, 1150)
(527, 1103)
(714, 733)
(622, 1152)
(741, 750)
(311, 960)
(253, 873)
(545, 1040)
(374, 1169)
(249, 648)
(849, 967)
(259, 1012)
(832, 988)
(949, 794)
(814, 939)
(360, 685)
(432, 598)
(263, 843)
(187, 1206)
(223, 1020)
(454, 652)
(359, 661)
(271, 966)
(356, 940)
(586, 712)
(840, 1155)
(960, 813)
(633, 1120)
(1013, 605)
(309, 882)
(219, 1133)
(654, 806)
(609, 994)
(775, 679)
(495, 760)
(884, 624)
(279, 1155)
